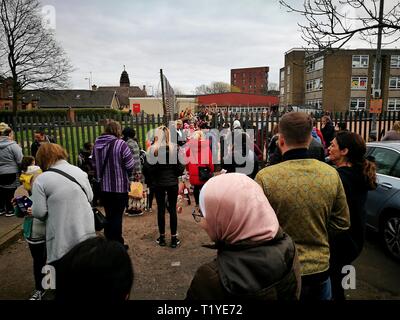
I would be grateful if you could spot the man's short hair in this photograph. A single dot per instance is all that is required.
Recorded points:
(97, 269)
(296, 128)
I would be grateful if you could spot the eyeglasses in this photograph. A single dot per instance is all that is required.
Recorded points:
(197, 216)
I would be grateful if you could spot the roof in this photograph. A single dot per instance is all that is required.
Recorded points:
(70, 98)
(124, 93)
(237, 99)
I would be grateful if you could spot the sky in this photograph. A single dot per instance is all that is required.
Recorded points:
(195, 42)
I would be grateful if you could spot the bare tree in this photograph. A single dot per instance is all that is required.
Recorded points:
(333, 23)
(29, 53)
(216, 87)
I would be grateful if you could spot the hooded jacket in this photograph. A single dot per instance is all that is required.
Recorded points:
(256, 259)
(10, 156)
(247, 270)
(119, 165)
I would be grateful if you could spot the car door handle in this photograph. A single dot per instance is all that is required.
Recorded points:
(386, 185)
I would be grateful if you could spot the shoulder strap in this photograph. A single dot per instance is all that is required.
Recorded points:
(110, 148)
(68, 177)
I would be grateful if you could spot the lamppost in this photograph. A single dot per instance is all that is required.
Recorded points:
(90, 81)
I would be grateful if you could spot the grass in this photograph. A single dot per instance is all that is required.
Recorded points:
(72, 137)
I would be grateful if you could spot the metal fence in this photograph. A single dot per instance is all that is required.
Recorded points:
(72, 135)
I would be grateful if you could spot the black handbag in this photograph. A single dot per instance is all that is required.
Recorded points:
(204, 173)
(99, 219)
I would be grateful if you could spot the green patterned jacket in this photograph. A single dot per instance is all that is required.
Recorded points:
(309, 200)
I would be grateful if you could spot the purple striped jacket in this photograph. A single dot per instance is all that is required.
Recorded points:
(119, 165)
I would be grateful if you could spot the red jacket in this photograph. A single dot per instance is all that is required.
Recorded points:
(198, 155)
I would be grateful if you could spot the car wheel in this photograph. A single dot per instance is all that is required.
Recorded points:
(391, 235)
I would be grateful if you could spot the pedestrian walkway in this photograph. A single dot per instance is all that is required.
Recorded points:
(10, 230)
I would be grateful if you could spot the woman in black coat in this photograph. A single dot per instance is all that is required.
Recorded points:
(358, 175)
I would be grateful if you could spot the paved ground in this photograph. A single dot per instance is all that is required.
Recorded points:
(165, 273)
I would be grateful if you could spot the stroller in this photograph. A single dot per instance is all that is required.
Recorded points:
(137, 200)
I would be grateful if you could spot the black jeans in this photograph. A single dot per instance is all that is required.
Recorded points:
(114, 205)
(5, 199)
(38, 252)
(196, 193)
(150, 197)
(172, 193)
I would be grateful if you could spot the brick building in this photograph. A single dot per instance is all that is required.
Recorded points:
(6, 93)
(338, 81)
(250, 80)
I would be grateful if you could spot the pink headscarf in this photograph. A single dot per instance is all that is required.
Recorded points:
(235, 208)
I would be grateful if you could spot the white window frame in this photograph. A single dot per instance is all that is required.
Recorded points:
(315, 64)
(359, 79)
(314, 85)
(358, 101)
(356, 61)
(396, 81)
(315, 104)
(393, 104)
(395, 61)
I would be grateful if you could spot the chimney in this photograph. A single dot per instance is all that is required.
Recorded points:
(94, 87)
(144, 88)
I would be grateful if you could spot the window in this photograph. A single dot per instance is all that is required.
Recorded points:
(396, 170)
(288, 70)
(357, 104)
(282, 90)
(385, 160)
(234, 81)
(360, 61)
(314, 85)
(314, 104)
(394, 104)
(234, 76)
(282, 75)
(315, 64)
(244, 81)
(359, 83)
(395, 61)
(394, 83)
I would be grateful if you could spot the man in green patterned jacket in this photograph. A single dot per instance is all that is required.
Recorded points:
(309, 200)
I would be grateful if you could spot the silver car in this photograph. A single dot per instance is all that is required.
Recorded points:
(383, 204)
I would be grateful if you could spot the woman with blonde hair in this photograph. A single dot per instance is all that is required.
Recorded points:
(393, 134)
(62, 203)
(162, 163)
(199, 163)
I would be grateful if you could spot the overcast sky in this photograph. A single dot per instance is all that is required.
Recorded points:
(194, 41)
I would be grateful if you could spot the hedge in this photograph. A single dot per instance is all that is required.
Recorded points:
(97, 112)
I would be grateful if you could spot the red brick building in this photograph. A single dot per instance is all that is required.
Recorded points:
(250, 80)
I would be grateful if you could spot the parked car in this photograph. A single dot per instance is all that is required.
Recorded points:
(383, 204)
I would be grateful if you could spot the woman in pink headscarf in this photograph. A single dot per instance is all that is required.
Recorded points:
(255, 258)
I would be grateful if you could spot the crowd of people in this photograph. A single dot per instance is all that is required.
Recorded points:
(287, 237)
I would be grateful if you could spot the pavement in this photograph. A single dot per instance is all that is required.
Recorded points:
(10, 230)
